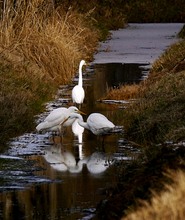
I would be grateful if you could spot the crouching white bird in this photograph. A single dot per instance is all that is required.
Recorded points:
(97, 123)
(78, 93)
(57, 119)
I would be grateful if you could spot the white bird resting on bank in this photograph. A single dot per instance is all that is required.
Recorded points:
(57, 119)
(78, 93)
(97, 123)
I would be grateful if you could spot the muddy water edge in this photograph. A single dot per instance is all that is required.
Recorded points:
(45, 180)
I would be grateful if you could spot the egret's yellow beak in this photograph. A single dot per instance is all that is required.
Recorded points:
(80, 112)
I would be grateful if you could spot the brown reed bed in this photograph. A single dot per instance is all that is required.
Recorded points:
(125, 92)
(169, 204)
(50, 39)
(40, 48)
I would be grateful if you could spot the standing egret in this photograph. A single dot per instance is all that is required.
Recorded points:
(78, 93)
(57, 119)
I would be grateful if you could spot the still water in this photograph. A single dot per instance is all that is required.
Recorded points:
(43, 178)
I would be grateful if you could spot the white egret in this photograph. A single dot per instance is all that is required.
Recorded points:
(57, 119)
(97, 123)
(78, 93)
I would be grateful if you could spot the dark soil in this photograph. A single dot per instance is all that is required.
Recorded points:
(139, 178)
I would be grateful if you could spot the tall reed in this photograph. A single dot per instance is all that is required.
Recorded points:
(50, 40)
(40, 48)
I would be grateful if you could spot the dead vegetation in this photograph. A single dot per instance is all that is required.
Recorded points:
(124, 92)
(40, 48)
(50, 41)
(169, 204)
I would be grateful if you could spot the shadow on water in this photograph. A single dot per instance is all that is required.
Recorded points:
(40, 179)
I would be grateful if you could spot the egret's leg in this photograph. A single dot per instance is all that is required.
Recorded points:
(103, 143)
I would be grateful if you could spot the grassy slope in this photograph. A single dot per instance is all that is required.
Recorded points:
(158, 115)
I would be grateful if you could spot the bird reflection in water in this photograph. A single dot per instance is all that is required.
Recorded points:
(78, 132)
(64, 160)
(96, 163)
(59, 158)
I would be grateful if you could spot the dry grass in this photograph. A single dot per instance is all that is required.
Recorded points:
(172, 61)
(158, 115)
(50, 40)
(124, 92)
(167, 205)
(40, 48)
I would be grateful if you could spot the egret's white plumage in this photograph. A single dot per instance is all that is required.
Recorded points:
(97, 123)
(57, 118)
(78, 93)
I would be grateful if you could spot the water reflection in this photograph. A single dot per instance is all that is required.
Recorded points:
(116, 74)
(99, 162)
(64, 160)
(111, 75)
(58, 158)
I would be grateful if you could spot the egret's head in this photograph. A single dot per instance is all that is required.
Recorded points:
(82, 62)
(74, 109)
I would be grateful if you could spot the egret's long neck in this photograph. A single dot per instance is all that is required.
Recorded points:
(80, 83)
(83, 124)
